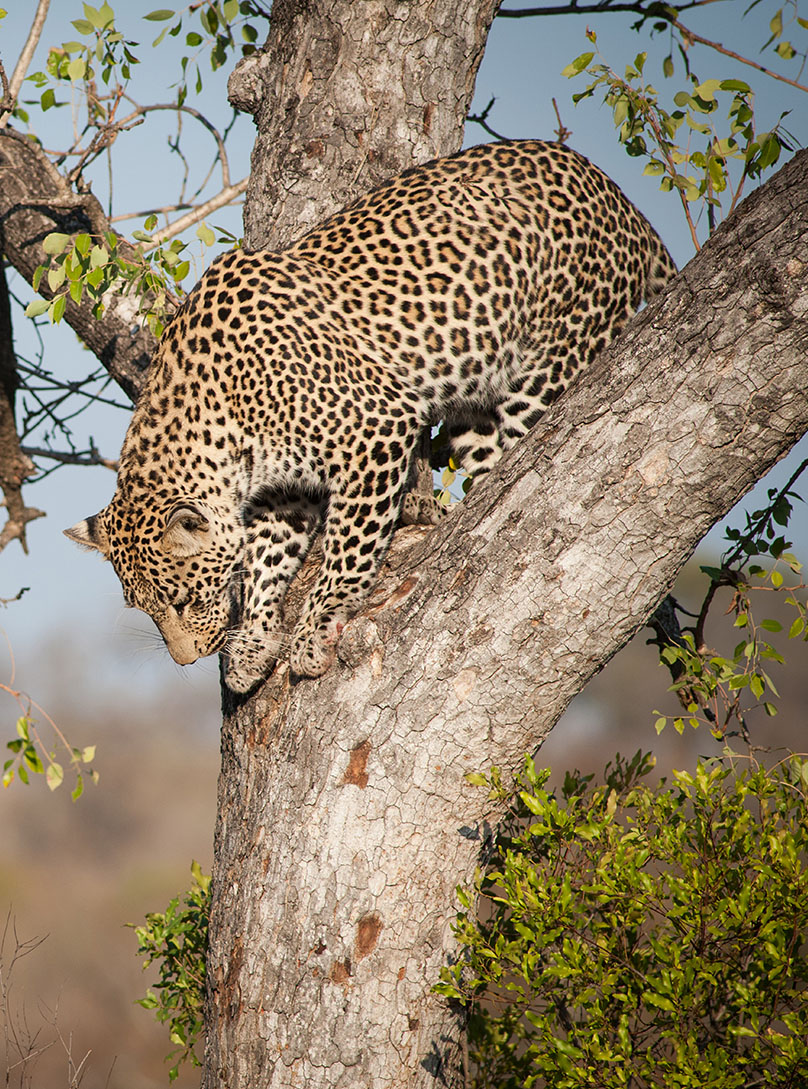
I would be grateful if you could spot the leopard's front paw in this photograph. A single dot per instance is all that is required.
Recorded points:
(313, 652)
(250, 660)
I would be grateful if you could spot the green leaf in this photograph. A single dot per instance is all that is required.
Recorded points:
(769, 150)
(771, 625)
(796, 628)
(56, 277)
(706, 91)
(206, 234)
(22, 728)
(36, 307)
(735, 85)
(77, 68)
(54, 776)
(577, 65)
(88, 754)
(58, 308)
(83, 26)
(159, 16)
(98, 257)
(55, 243)
(776, 24)
(620, 109)
(78, 789)
(667, 67)
(777, 582)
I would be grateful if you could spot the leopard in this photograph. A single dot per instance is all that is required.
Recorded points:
(289, 391)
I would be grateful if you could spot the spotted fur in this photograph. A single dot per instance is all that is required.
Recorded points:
(292, 388)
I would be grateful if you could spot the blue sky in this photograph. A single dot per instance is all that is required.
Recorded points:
(74, 598)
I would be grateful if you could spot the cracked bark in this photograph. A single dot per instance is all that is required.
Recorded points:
(345, 821)
(345, 96)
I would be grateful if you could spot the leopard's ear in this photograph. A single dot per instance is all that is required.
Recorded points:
(90, 533)
(187, 532)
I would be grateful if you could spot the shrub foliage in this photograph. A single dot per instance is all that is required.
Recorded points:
(632, 935)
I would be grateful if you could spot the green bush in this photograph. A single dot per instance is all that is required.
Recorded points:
(634, 936)
(177, 940)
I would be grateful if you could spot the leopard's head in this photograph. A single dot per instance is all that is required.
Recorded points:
(178, 559)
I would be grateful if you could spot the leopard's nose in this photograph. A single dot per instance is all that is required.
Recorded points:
(180, 643)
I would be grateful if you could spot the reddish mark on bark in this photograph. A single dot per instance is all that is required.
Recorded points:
(429, 109)
(258, 735)
(368, 930)
(315, 149)
(402, 591)
(458, 580)
(340, 971)
(318, 949)
(413, 1023)
(356, 773)
(231, 996)
(401, 973)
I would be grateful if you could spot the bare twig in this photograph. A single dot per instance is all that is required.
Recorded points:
(481, 119)
(66, 458)
(693, 37)
(10, 600)
(562, 132)
(179, 225)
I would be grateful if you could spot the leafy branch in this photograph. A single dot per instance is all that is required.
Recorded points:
(647, 129)
(30, 754)
(710, 685)
(177, 941)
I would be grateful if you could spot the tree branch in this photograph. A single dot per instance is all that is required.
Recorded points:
(691, 36)
(465, 657)
(226, 196)
(36, 200)
(644, 8)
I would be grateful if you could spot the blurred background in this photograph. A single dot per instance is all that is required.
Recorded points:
(73, 874)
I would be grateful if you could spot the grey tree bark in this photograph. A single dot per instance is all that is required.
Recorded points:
(345, 821)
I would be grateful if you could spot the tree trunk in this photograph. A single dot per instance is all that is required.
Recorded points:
(346, 95)
(345, 821)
